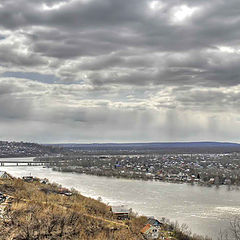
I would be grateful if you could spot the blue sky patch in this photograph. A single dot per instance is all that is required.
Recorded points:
(44, 78)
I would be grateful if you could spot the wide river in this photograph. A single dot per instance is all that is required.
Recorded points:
(205, 210)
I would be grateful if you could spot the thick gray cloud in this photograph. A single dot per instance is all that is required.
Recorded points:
(110, 70)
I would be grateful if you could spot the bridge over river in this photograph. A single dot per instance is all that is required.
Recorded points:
(15, 163)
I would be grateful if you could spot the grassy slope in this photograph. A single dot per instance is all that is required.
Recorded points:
(37, 215)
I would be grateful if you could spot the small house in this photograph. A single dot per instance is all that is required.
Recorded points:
(28, 178)
(211, 180)
(154, 222)
(65, 192)
(44, 181)
(227, 182)
(150, 232)
(121, 212)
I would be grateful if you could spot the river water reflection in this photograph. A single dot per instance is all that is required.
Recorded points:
(205, 210)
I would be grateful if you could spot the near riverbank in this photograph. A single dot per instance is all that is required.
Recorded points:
(39, 210)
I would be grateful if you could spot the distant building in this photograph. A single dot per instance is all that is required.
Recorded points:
(227, 182)
(211, 180)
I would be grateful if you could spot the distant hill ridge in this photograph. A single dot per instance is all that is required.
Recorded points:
(152, 144)
(154, 147)
(25, 149)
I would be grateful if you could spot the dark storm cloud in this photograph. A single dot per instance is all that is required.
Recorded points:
(95, 28)
(11, 56)
(73, 14)
(111, 66)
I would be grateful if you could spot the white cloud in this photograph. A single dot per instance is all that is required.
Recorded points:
(229, 49)
(53, 7)
(182, 13)
(156, 5)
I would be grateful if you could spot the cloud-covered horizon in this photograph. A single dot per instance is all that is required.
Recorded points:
(119, 71)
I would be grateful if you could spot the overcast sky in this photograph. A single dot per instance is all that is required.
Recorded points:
(119, 70)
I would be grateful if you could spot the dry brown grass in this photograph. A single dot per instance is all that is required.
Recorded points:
(36, 214)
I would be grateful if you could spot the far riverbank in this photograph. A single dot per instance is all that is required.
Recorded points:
(145, 177)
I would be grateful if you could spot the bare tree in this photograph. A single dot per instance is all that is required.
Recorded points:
(234, 231)
(235, 228)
